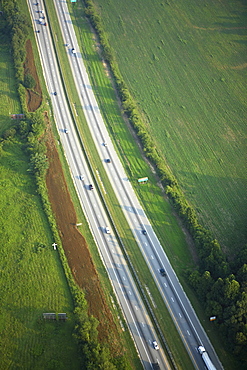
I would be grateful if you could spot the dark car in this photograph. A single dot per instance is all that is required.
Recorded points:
(162, 272)
(55, 93)
(81, 177)
(90, 187)
(156, 366)
(108, 160)
(144, 232)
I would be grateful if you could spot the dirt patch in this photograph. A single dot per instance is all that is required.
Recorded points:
(77, 251)
(34, 96)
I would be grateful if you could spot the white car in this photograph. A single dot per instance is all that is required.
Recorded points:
(155, 345)
(107, 230)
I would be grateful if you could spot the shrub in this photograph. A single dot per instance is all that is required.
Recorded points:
(29, 81)
(9, 133)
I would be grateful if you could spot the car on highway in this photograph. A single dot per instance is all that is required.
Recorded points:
(105, 144)
(55, 93)
(107, 230)
(162, 272)
(73, 50)
(90, 187)
(108, 160)
(66, 131)
(155, 345)
(156, 366)
(144, 232)
(81, 177)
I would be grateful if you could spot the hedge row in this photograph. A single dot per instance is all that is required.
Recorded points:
(212, 259)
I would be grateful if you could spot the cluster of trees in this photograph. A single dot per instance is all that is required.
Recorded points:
(219, 283)
(31, 131)
(17, 27)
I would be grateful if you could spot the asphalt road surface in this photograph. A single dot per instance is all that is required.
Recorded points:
(174, 297)
(178, 304)
(130, 301)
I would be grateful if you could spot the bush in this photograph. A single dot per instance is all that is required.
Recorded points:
(9, 133)
(29, 81)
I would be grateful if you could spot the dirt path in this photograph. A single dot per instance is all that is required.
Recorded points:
(76, 249)
(33, 97)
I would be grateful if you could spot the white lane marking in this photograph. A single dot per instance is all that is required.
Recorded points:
(188, 332)
(172, 299)
(180, 314)
(165, 285)
(152, 257)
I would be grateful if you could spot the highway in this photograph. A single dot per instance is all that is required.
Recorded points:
(175, 298)
(136, 316)
(172, 292)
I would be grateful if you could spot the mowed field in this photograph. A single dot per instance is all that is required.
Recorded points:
(32, 280)
(185, 64)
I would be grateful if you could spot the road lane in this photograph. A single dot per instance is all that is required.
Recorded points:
(128, 296)
(188, 324)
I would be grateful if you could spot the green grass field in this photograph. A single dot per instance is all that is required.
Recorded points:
(9, 98)
(158, 211)
(184, 63)
(32, 280)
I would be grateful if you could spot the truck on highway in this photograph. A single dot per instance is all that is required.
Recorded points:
(206, 359)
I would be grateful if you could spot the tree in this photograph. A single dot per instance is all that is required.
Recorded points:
(29, 81)
(9, 133)
(39, 164)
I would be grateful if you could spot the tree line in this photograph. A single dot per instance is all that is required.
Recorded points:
(219, 282)
(31, 131)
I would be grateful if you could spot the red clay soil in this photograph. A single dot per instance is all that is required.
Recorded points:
(34, 96)
(76, 249)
